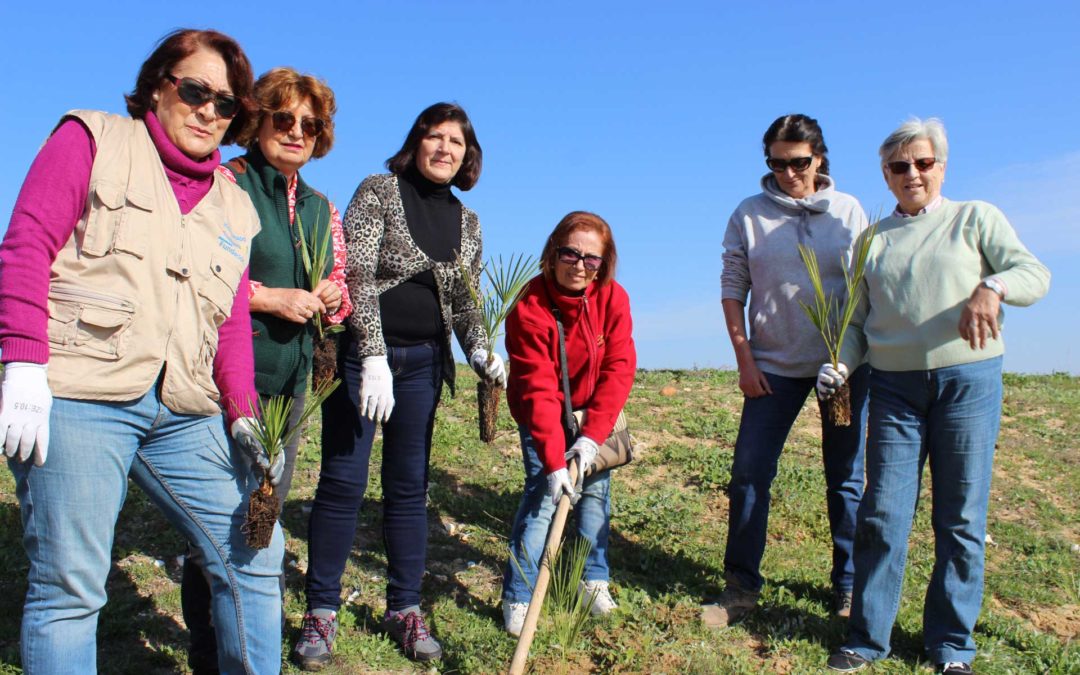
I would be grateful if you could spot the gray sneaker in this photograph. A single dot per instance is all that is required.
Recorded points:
(408, 629)
(734, 603)
(315, 647)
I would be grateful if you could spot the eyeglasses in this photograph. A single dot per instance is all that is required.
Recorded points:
(797, 164)
(196, 94)
(284, 121)
(922, 164)
(571, 257)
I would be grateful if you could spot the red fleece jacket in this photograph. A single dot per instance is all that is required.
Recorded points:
(600, 358)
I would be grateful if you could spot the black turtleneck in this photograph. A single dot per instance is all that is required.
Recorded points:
(410, 310)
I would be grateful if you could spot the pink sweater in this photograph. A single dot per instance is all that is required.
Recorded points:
(50, 203)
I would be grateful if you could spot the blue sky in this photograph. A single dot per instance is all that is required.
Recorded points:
(649, 114)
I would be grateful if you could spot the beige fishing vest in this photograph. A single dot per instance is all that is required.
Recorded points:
(139, 289)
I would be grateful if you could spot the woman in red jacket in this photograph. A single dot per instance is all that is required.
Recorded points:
(577, 277)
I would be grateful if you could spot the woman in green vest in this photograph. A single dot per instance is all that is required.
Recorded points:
(294, 124)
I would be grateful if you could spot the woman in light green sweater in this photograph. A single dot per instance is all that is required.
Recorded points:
(929, 323)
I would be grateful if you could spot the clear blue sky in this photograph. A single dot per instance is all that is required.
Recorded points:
(649, 114)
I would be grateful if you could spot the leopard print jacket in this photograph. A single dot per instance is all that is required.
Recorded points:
(381, 254)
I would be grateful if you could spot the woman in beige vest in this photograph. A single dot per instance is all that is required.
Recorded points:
(123, 337)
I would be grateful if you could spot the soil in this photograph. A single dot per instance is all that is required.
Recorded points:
(263, 512)
(487, 401)
(837, 408)
(324, 360)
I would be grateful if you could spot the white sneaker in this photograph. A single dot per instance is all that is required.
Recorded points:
(514, 616)
(602, 602)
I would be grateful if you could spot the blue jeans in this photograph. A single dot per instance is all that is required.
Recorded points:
(69, 506)
(346, 449)
(533, 520)
(949, 416)
(763, 430)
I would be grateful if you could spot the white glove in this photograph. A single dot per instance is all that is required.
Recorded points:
(243, 432)
(830, 379)
(585, 450)
(376, 389)
(25, 402)
(494, 372)
(559, 482)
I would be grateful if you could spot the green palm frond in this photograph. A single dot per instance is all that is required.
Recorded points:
(505, 284)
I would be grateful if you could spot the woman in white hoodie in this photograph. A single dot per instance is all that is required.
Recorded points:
(778, 361)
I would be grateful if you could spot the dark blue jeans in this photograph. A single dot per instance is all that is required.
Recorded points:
(346, 449)
(763, 431)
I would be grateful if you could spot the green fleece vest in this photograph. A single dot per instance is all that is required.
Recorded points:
(283, 349)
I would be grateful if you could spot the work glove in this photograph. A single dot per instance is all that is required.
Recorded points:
(25, 402)
(585, 450)
(494, 372)
(830, 379)
(243, 432)
(376, 389)
(559, 482)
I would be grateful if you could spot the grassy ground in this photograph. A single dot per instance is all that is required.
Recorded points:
(669, 527)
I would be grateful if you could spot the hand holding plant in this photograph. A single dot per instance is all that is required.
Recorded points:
(318, 257)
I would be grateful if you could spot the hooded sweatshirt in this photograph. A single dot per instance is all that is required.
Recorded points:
(761, 259)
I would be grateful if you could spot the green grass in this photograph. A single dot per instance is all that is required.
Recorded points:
(668, 533)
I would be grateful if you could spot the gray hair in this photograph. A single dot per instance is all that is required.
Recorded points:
(932, 129)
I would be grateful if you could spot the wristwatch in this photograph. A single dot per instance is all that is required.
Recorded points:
(994, 285)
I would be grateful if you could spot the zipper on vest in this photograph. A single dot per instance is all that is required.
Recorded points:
(76, 294)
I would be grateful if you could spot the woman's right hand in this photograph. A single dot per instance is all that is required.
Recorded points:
(291, 304)
(558, 484)
(752, 381)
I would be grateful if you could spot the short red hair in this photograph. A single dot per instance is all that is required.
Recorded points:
(572, 222)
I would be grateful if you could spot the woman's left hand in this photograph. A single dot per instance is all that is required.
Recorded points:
(979, 318)
(330, 294)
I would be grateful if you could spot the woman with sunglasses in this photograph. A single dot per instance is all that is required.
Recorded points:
(929, 320)
(407, 236)
(578, 279)
(125, 273)
(779, 359)
(293, 125)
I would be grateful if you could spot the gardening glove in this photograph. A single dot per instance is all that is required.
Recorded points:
(25, 402)
(830, 379)
(243, 432)
(585, 450)
(559, 482)
(494, 372)
(376, 389)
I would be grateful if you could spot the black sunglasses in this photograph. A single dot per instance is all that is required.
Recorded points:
(922, 164)
(781, 165)
(196, 94)
(284, 121)
(571, 257)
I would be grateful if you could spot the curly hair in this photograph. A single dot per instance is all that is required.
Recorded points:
(281, 88)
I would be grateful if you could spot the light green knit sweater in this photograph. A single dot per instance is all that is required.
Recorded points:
(920, 273)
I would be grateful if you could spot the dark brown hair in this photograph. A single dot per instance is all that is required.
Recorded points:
(431, 117)
(572, 222)
(799, 129)
(280, 88)
(176, 47)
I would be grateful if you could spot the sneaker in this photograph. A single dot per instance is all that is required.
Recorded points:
(315, 647)
(955, 667)
(514, 616)
(846, 661)
(734, 603)
(408, 629)
(842, 604)
(601, 597)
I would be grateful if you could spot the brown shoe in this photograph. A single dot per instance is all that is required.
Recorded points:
(734, 604)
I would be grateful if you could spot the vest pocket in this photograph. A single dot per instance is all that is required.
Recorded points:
(92, 323)
(204, 366)
(118, 221)
(220, 288)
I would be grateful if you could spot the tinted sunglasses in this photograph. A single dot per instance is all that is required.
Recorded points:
(781, 165)
(196, 94)
(923, 164)
(571, 257)
(284, 121)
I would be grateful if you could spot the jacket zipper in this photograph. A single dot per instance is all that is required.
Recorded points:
(77, 294)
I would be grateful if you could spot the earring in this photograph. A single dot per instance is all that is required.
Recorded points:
(155, 96)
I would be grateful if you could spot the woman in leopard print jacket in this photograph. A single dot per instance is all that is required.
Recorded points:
(405, 233)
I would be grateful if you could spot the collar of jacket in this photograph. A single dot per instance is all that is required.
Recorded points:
(570, 306)
(271, 179)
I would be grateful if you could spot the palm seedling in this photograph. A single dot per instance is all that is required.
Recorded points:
(271, 430)
(505, 284)
(318, 258)
(832, 316)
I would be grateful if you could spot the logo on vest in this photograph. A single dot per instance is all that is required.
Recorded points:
(232, 243)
